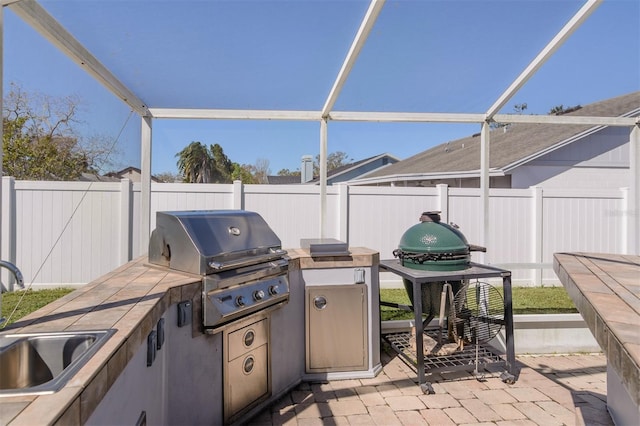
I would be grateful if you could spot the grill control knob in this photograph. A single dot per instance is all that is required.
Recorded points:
(240, 301)
(258, 295)
(273, 290)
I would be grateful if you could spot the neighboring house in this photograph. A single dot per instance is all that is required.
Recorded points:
(344, 173)
(92, 177)
(132, 173)
(283, 180)
(525, 155)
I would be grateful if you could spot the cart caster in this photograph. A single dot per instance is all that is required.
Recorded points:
(508, 378)
(427, 389)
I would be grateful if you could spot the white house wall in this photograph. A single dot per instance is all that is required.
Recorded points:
(600, 160)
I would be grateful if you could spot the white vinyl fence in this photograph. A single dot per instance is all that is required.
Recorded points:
(70, 233)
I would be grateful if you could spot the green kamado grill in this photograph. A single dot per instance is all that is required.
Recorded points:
(433, 246)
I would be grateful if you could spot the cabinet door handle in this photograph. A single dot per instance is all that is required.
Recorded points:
(248, 364)
(249, 338)
(320, 302)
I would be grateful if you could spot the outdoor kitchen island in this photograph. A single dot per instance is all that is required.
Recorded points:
(183, 383)
(605, 288)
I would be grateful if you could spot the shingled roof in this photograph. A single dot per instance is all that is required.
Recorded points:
(510, 146)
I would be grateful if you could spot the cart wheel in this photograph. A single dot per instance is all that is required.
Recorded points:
(427, 389)
(508, 378)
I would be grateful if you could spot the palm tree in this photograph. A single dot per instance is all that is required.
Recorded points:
(221, 166)
(195, 163)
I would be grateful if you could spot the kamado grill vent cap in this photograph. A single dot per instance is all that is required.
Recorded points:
(433, 245)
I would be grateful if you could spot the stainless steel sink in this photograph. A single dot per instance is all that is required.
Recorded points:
(40, 363)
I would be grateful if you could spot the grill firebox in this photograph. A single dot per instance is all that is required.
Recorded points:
(239, 257)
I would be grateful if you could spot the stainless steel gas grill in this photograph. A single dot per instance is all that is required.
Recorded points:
(243, 266)
(244, 279)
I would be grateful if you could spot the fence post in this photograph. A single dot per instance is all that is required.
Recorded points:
(625, 243)
(537, 233)
(343, 212)
(238, 195)
(8, 230)
(443, 201)
(126, 215)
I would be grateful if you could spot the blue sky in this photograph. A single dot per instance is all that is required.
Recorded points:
(430, 56)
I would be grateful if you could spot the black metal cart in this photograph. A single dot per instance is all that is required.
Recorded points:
(399, 341)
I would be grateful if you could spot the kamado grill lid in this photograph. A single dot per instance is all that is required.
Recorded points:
(433, 245)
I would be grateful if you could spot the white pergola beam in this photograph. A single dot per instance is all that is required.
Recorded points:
(574, 23)
(406, 117)
(566, 119)
(384, 117)
(358, 43)
(39, 19)
(233, 114)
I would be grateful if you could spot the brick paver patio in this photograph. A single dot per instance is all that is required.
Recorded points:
(550, 390)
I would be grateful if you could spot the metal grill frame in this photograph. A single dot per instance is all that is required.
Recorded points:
(458, 361)
(419, 278)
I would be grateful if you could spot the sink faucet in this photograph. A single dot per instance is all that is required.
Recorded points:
(14, 269)
(19, 280)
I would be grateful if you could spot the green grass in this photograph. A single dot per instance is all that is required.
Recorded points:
(526, 300)
(32, 301)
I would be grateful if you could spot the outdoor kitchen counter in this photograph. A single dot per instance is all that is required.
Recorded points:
(358, 257)
(130, 299)
(606, 290)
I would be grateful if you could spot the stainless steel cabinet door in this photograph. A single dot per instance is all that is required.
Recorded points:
(336, 325)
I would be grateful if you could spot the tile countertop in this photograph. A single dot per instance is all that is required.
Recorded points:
(129, 299)
(606, 290)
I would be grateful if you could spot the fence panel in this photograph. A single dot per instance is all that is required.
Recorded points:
(378, 216)
(86, 249)
(585, 221)
(526, 225)
(292, 211)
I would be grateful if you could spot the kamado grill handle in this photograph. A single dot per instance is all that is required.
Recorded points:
(473, 247)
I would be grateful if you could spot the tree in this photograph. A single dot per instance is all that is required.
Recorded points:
(561, 109)
(40, 140)
(520, 108)
(557, 110)
(168, 177)
(287, 172)
(261, 170)
(195, 163)
(222, 166)
(199, 164)
(334, 160)
(243, 172)
(517, 108)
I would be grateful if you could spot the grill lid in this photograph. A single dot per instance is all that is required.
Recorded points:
(433, 245)
(206, 241)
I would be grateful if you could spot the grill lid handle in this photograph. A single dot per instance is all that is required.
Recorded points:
(473, 247)
(216, 265)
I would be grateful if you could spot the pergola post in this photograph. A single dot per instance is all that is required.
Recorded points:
(485, 140)
(323, 178)
(145, 183)
(633, 210)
